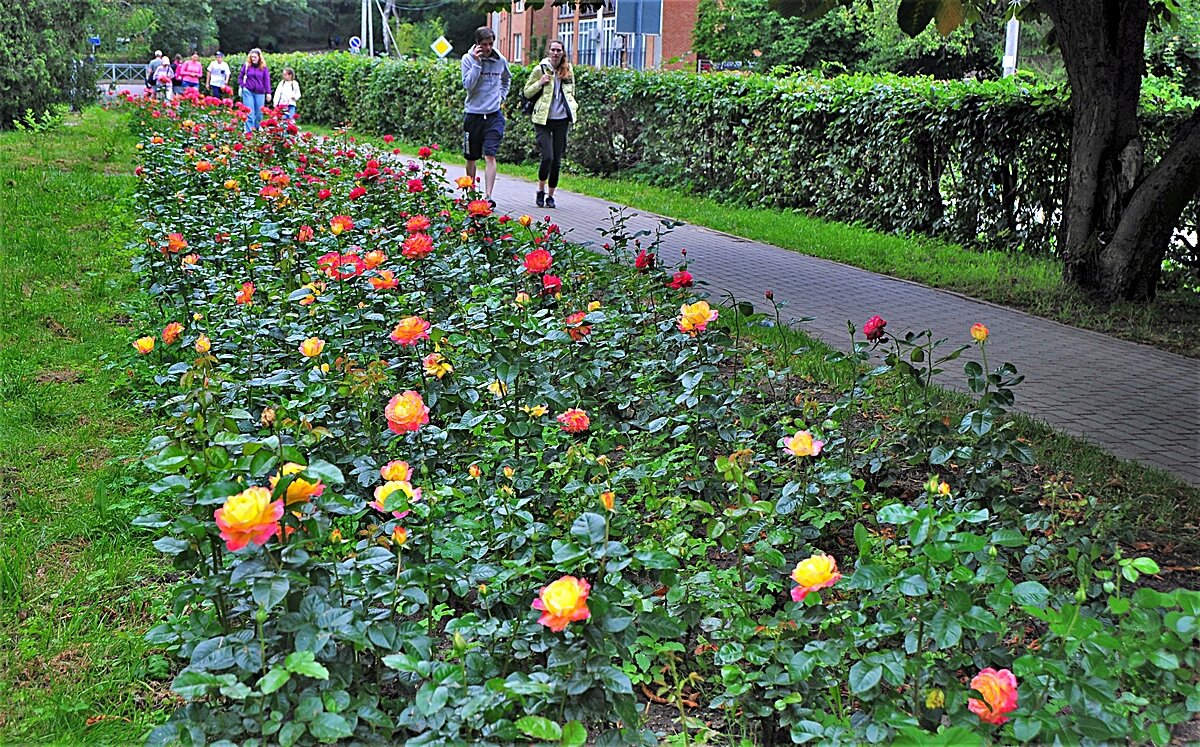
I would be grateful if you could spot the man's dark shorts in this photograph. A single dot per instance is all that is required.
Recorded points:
(482, 134)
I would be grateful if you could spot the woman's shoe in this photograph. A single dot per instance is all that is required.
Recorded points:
(541, 199)
(550, 203)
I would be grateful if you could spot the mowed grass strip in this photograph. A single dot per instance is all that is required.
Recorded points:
(1033, 284)
(79, 585)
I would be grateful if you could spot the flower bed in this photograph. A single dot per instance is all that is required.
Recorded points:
(442, 477)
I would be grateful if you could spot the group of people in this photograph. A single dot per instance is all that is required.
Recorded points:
(551, 89)
(166, 78)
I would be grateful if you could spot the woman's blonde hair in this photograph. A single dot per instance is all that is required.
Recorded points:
(262, 62)
(564, 71)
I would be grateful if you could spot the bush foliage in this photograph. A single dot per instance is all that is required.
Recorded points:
(39, 48)
(979, 163)
(562, 490)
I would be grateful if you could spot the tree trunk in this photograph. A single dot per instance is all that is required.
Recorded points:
(1117, 222)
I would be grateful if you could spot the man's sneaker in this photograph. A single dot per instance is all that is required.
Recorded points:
(550, 202)
(541, 199)
(491, 202)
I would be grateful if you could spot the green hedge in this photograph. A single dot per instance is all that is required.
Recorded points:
(980, 163)
(39, 40)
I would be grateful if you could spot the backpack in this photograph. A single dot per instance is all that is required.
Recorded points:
(527, 104)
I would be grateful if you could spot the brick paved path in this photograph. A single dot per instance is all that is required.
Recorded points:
(1135, 401)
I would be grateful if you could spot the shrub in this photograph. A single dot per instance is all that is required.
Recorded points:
(39, 53)
(979, 163)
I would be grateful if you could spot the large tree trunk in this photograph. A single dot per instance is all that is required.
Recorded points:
(1117, 221)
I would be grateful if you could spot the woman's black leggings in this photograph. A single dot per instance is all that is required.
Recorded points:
(552, 142)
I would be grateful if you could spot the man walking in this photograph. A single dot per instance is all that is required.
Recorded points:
(486, 77)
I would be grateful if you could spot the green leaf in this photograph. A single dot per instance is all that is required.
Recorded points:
(329, 473)
(432, 698)
(862, 540)
(1025, 728)
(574, 734)
(1164, 659)
(1031, 593)
(304, 663)
(540, 727)
(273, 680)
(864, 676)
(589, 527)
(1145, 565)
(896, 513)
(656, 559)
(913, 585)
(191, 684)
(330, 727)
(270, 592)
(614, 679)
(291, 733)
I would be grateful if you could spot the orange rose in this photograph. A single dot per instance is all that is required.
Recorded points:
(436, 365)
(171, 333)
(312, 347)
(144, 344)
(396, 470)
(410, 331)
(979, 333)
(574, 420)
(304, 234)
(249, 516)
(563, 602)
(694, 317)
(204, 166)
(815, 572)
(803, 444)
(576, 328)
(465, 182)
(406, 412)
(298, 490)
(417, 246)
(340, 224)
(386, 280)
(479, 208)
(999, 691)
(203, 344)
(374, 258)
(176, 243)
(538, 261)
(245, 296)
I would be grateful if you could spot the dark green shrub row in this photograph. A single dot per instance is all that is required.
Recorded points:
(980, 163)
(38, 53)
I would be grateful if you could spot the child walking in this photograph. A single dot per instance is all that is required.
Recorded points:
(287, 93)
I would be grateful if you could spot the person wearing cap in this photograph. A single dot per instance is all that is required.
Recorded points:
(152, 68)
(218, 76)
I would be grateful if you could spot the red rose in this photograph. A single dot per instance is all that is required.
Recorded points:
(551, 284)
(357, 192)
(873, 328)
(681, 279)
(644, 260)
(424, 152)
(324, 194)
(416, 185)
(538, 261)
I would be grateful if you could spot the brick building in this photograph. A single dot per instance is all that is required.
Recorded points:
(639, 34)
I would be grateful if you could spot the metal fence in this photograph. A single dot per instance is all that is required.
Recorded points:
(121, 72)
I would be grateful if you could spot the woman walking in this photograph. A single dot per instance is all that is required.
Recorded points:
(552, 83)
(190, 71)
(255, 82)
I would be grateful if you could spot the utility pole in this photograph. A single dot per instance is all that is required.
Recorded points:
(366, 12)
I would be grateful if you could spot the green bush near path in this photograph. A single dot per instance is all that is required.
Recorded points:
(982, 164)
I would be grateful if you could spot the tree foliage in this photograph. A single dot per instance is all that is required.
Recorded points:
(40, 43)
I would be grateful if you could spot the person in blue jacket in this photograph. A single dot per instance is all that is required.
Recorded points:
(486, 77)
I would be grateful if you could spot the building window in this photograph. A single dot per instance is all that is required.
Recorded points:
(518, 53)
(566, 34)
(589, 38)
(518, 6)
(566, 10)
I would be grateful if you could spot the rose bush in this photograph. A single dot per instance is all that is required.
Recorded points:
(453, 506)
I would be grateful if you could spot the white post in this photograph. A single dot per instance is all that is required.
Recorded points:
(1012, 34)
(366, 11)
(370, 40)
(600, 38)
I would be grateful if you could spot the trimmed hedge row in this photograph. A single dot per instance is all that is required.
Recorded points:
(979, 163)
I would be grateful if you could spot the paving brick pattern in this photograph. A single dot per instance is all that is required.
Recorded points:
(1135, 401)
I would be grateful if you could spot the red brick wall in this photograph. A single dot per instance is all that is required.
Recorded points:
(679, 18)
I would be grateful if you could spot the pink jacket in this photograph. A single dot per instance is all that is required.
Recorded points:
(190, 71)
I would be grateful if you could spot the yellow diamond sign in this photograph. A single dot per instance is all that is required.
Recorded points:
(441, 47)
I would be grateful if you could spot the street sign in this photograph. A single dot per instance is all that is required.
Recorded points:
(442, 46)
(355, 43)
(94, 41)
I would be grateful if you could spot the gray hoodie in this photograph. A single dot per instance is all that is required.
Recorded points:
(486, 81)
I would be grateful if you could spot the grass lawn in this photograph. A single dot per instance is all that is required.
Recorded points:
(1032, 284)
(78, 585)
